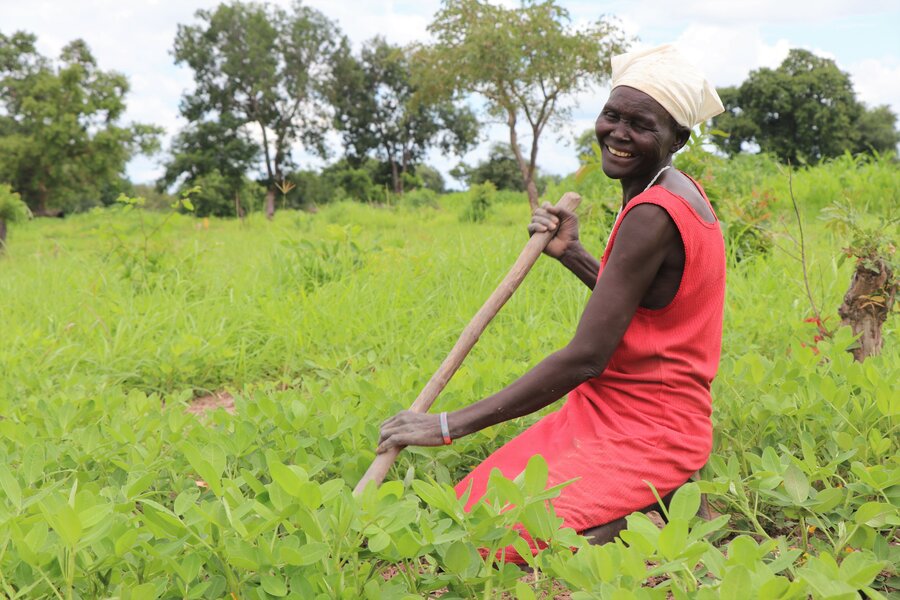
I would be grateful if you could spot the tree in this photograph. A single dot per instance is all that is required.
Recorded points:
(584, 145)
(500, 168)
(877, 128)
(525, 62)
(61, 144)
(378, 112)
(212, 151)
(804, 110)
(267, 67)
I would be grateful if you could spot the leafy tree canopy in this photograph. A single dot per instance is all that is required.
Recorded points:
(500, 168)
(379, 113)
(524, 61)
(267, 67)
(61, 142)
(804, 110)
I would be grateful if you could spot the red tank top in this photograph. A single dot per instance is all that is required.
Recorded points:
(659, 376)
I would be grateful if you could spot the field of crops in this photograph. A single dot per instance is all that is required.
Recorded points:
(323, 324)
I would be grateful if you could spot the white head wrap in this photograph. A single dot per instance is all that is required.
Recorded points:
(666, 76)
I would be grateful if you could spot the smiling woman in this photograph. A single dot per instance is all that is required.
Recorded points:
(639, 366)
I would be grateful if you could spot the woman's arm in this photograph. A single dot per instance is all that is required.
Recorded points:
(565, 245)
(582, 263)
(647, 235)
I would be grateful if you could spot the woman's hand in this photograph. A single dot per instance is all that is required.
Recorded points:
(564, 223)
(408, 428)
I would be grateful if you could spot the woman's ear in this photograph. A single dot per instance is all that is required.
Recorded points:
(682, 135)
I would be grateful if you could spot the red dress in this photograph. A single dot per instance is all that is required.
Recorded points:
(647, 416)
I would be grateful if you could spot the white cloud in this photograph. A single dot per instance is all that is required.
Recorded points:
(877, 81)
(759, 12)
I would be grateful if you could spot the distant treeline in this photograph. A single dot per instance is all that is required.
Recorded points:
(269, 80)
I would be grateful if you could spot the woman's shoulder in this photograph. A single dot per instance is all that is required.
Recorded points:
(679, 184)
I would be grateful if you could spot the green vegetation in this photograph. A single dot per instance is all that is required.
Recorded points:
(803, 111)
(379, 112)
(323, 324)
(525, 62)
(62, 146)
(261, 66)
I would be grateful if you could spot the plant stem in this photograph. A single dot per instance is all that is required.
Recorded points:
(812, 302)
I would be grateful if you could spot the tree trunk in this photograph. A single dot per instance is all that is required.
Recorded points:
(531, 188)
(395, 177)
(867, 304)
(526, 169)
(270, 203)
(2, 235)
(238, 211)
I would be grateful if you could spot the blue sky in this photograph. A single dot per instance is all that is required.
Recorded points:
(726, 39)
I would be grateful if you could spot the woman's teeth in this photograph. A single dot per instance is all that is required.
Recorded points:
(618, 153)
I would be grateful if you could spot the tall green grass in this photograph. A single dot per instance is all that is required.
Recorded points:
(324, 324)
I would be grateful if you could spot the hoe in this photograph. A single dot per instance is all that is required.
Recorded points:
(469, 336)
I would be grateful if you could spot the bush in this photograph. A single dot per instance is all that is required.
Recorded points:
(481, 196)
(418, 198)
(431, 178)
(12, 208)
(215, 196)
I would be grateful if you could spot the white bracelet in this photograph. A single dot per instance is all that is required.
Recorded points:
(445, 429)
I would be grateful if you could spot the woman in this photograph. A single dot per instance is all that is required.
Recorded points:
(639, 367)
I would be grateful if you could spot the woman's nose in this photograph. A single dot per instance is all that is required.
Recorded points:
(620, 132)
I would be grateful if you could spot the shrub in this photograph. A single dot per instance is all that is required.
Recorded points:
(12, 210)
(215, 196)
(481, 196)
(419, 198)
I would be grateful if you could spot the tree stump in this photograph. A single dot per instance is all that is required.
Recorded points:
(867, 304)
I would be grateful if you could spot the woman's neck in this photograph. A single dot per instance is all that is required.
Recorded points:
(638, 185)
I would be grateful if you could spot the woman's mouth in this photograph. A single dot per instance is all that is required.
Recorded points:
(619, 153)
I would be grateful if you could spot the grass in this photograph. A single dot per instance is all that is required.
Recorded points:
(324, 324)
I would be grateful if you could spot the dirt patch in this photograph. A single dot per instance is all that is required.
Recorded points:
(205, 404)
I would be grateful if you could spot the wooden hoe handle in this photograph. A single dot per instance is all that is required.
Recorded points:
(469, 336)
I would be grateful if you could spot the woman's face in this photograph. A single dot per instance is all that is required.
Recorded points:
(636, 135)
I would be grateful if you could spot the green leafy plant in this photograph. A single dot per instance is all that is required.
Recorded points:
(481, 197)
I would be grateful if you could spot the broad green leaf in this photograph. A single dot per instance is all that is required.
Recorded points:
(796, 484)
(828, 499)
(875, 514)
(289, 479)
(145, 591)
(126, 541)
(505, 490)
(10, 486)
(859, 569)
(140, 484)
(185, 500)
(536, 474)
(735, 584)
(673, 538)
(685, 503)
(204, 468)
(274, 585)
(379, 541)
(742, 550)
(457, 557)
(524, 591)
(312, 552)
(310, 494)
(64, 520)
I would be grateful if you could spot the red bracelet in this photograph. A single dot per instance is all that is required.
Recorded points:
(445, 429)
